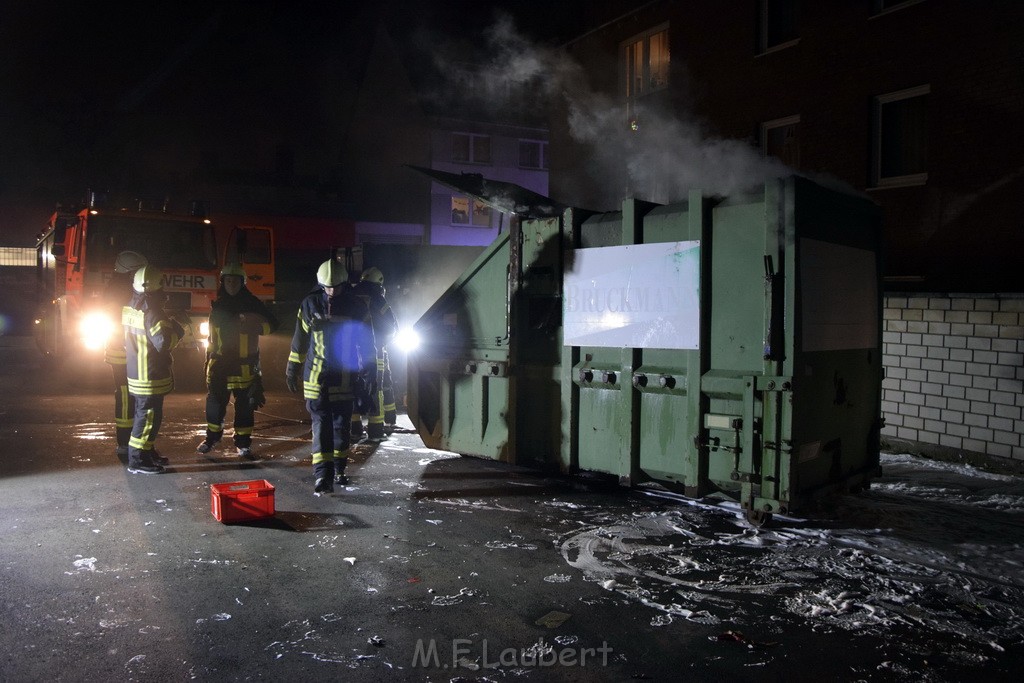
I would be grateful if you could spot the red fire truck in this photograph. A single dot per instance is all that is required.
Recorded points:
(75, 259)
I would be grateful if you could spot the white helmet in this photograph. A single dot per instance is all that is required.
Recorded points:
(373, 274)
(129, 262)
(148, 279)
(233, 269)
(331, 274)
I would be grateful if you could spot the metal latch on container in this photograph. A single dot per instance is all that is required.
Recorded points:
(722, 422)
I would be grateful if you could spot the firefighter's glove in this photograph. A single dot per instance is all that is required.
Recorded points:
(291, 377)
(256, 396)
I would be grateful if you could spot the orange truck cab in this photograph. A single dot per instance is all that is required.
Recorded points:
(75, 259)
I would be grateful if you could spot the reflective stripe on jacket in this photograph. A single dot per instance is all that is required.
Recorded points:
(234, 353)
(333, 342)
(149, 337)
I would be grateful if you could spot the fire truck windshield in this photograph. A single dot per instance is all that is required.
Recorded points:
(166, 243)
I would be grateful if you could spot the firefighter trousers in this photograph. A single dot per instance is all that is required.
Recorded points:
(124, 414)
(375, 421)
(149, 414)
(330, 435)
(217, 398)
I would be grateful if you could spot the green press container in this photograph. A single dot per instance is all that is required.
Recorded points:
(717, 345)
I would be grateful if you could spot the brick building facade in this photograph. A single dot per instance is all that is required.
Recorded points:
(915, 103)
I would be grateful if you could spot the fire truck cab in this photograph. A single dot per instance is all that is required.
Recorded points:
(75, 260)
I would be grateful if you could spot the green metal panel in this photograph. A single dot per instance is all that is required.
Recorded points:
(670, 403)
(603, 433)
(535, 286)
(836, 411)
(458, 381)
(773, 397)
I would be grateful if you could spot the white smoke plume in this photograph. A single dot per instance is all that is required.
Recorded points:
(661, 160)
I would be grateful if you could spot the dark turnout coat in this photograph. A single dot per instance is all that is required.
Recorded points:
(149, 337)
(236, 323)
(333, 344)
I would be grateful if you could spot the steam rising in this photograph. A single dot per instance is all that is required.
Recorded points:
(661, 160)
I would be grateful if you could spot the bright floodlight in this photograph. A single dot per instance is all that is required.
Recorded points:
(407, 340)
(95, 329)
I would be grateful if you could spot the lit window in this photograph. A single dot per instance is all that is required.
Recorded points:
(781, 139)
(778, 23)
(645, 64)
(460, 210)
(900, 138)
(481, 214)
(471, 148)
(466, 211)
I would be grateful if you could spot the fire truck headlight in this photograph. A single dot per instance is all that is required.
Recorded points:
(204, 329)
(96, 329)
(407, 340)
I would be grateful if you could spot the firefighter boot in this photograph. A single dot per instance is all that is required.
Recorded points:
(339, 471)
(323, 475)
(356, 429)
(206, 445)
(375, 432)
(123, 434)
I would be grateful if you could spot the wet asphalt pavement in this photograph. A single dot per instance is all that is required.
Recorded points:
(428, 567)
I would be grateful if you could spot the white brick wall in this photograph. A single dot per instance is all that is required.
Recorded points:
(954, 373)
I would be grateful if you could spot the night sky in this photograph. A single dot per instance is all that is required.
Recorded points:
(133, 95)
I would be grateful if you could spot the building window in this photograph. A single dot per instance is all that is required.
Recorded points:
(781, 139)
(900, 138)
(470, 211)
(481, 214)
(645, 64)
(778, 24)
(533, 154)
(469, 148)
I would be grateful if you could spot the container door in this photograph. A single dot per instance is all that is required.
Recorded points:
(459, 385)
(667, 380)
(536, 341)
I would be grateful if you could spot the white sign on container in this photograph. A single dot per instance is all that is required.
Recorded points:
(633, 296)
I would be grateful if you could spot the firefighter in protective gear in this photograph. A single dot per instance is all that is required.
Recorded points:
(116, 294)
(332, 355)
(383, 410)
(237, 320)
(149, 337)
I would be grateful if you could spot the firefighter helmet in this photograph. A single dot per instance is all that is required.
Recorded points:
(331, 274)
(129, 262)
(373, 274)
(148, 279)
(233, 269)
